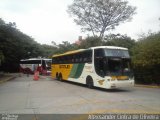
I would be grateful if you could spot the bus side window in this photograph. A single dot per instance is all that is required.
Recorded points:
(56, 60)
(98, 53)
(98, 61)
(76, 58)
(70, 59)
(43, 64)
(67, 59)
(84, 57)
(53, 60)
(80, 58)
(59, 60)
(88, 56)
(63, 59)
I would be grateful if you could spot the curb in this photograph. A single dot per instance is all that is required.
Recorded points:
(7, 79)
(147, 86)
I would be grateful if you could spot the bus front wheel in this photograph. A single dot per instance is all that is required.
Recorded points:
(89, 82)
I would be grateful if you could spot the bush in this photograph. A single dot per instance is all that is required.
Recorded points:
(146, 59)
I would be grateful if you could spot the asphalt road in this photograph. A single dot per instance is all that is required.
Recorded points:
(23, 95)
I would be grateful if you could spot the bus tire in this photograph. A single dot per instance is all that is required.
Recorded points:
(60, 78)
(56, 76)
(89, 82)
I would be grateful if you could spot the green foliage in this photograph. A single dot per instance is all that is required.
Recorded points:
(2, 22)
(65, 46)
(90, 42)
(146, 59)
(48, 50)
(84, 44)
(16, 45)
(147, 51)
(1, 57)
(120, 40)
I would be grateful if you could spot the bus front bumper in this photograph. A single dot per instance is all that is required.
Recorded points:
(120, 84)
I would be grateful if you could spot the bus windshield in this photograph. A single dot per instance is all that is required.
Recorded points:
(116, 53)
(113, 66)
(118, 66)
(48, 64)
(113, 62)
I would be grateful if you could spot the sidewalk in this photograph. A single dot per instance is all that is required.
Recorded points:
(147, 86)
(7, 77)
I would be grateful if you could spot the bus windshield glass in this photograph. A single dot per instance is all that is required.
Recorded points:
(113, 62)
(48, 64)
(119, 66)
(116, 53)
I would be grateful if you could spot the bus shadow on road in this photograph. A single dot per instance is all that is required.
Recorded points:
(112, 90)
(96, 88)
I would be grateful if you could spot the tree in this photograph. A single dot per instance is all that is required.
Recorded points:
(146, 59)
(1, 57)
(2, 22)
(90, 42)
(15, 45)
(98, 16)
(48, 50)
(119, 40)
(65, 46)
(147, 51)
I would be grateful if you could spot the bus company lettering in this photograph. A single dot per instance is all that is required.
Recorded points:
(64, 66)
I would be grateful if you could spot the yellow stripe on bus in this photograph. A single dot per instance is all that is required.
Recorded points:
(65, 69)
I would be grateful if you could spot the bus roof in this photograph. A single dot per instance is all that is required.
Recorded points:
(69, 52)
(35, 59)
(80, 50)
(110, 47)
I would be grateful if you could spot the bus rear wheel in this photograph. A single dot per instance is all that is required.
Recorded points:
(89, 82)
(57, 76)
(60, 78)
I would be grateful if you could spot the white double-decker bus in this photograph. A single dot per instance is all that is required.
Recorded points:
(102, 66)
